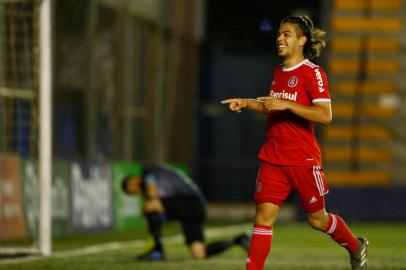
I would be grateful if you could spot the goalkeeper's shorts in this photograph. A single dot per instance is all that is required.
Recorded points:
(191, 212)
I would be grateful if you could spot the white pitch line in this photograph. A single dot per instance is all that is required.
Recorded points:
(170, 240)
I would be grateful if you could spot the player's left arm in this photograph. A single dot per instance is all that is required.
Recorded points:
(152, 202)
(319, 112)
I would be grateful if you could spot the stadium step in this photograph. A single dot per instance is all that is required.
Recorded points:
(366, 132)
(346, 110)
(373, 66)
(344, 44)
(368, 88)
(366, 155)
(359, 24)
(358, 178)
(375, 5)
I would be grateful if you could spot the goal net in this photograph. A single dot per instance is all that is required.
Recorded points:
(25, 137)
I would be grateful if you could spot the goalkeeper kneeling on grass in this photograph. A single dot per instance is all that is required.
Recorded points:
(172, 196)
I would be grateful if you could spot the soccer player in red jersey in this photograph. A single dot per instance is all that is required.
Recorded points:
(290, 157)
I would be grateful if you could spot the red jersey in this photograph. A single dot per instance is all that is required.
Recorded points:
(290, 139)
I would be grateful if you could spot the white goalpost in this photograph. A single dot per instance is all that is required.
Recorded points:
(25, 126)
(45, 132)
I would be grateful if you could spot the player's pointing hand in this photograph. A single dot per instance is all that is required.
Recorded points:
(272, 103)
(235, 104)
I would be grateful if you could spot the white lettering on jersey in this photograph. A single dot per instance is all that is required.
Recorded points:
(319, 80)
(284, 95)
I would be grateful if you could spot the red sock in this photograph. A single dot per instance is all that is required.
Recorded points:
(259, 248)
(340, 232)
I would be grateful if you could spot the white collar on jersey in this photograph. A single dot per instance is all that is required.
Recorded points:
(295, 66)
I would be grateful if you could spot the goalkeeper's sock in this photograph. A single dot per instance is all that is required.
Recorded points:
(260, 247)
(340, 233)
(154, 227)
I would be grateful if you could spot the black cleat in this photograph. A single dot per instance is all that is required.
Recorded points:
(243, 240)
(359, 260)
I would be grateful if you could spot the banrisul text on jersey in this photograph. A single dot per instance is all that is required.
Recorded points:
(284, 95)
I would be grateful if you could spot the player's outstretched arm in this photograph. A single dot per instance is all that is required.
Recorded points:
(237, 104)
(318, 112)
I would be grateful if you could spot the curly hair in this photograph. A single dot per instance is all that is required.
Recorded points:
(316, 38)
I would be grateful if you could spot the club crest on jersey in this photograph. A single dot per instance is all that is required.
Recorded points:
(292, 82)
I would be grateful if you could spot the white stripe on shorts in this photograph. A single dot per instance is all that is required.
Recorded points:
(259, 171)
(319, 180)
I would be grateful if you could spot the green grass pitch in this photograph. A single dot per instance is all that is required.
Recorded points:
(295, 246)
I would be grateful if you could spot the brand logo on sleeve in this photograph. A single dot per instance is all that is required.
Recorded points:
(319, 80)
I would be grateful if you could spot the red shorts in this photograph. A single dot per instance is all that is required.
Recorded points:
(274, 184)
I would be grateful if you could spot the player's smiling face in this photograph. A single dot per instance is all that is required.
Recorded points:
(288, 42)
